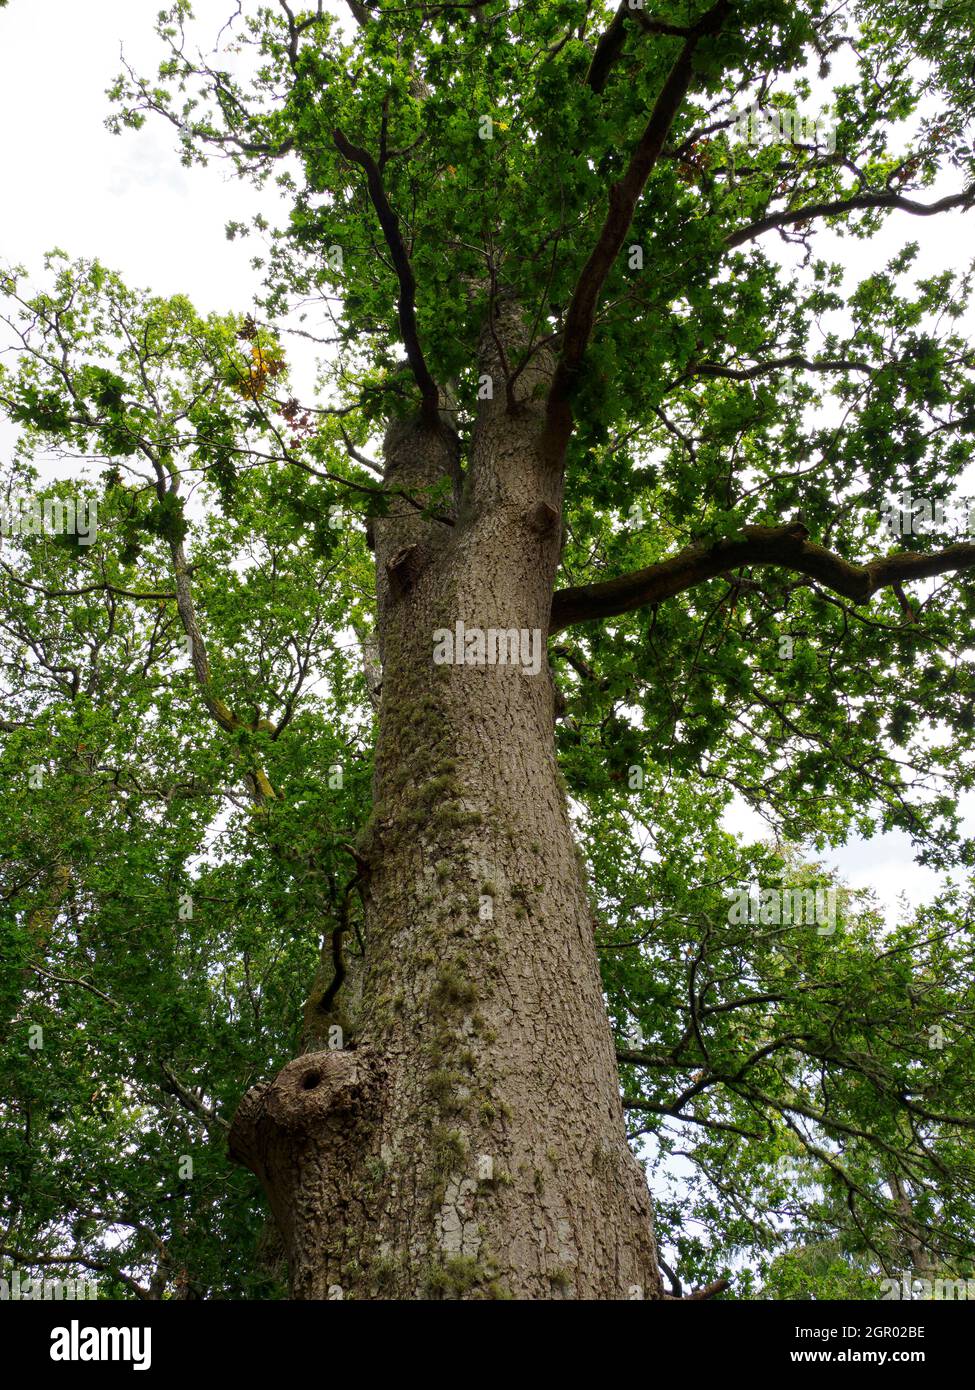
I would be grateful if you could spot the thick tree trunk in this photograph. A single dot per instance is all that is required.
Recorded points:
(469, 1142)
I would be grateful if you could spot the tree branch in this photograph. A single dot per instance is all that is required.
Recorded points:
(189, 1100)
(613, 39)
(709, 1291)
(786, 546)
(623, 198)
(27, 1259)
(406, 304)
(861, 202)
(795, 361)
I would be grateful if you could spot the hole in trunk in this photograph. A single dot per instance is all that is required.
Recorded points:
(310, 1080)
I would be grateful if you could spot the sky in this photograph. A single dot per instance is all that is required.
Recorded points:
(126, 199)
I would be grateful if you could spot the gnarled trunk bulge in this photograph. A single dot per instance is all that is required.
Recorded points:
(470, 1142)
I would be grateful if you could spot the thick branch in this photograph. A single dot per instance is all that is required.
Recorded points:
(26, 1259)
(225, 717)
(105, 588)
(709, 1291)
(623, 198)
(613, 39)
(786, 546)
(190, 1100)
(406, 304)
(794, 361)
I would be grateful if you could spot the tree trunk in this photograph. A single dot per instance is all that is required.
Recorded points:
(469, 1141)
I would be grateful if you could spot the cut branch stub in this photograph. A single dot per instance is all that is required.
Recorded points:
(305, 1135)
(404, 568)
(543, 518)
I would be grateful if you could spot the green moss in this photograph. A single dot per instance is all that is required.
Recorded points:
(383, 1270)
(495, 1289)
(455, 1277)
(442, 1085)
(376, 1169)
(449, 1150)
(436, 789)
(436, 1282)
(453, 989)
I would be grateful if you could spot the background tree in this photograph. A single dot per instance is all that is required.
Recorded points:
(607, 414)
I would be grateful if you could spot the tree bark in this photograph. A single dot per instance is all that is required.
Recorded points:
(470, 1141)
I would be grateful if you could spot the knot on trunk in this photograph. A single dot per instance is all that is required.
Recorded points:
(312, 1094)
(305, 1135)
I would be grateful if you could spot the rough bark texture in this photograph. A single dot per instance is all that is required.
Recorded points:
(470, 1143)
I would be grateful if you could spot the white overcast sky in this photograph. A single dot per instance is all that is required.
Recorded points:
(127, 200)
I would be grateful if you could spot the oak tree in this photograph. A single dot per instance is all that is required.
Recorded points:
(365, 772)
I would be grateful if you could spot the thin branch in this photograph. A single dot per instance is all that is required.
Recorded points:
(861, 202)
